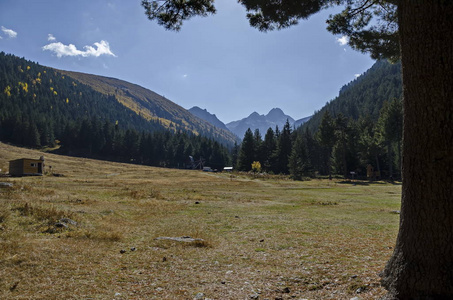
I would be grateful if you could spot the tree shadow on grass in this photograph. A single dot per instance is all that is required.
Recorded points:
(368, 183)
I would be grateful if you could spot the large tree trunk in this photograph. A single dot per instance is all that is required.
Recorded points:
(422, 263)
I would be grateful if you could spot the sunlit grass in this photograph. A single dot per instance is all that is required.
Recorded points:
(267, 236)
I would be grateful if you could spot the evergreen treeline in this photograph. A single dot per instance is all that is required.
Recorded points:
(341, 145)
(105, 140)
(41, 107)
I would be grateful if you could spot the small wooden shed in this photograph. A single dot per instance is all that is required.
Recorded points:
(26, 167)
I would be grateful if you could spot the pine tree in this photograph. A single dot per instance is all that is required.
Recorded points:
(284, 146)
(341, 150)
(247, 153)
(259, 155)
(299, 164)
(269, 151)
(390, 131)
(326, 138)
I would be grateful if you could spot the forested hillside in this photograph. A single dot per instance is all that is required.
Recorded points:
(358, 133)
(40, 106)
(364, 96)
(153, 107)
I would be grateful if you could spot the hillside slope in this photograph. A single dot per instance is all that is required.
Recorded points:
(152, 106)
(364, 96)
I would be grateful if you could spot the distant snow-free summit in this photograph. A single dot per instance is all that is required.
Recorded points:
(208, 117)
(275, 117)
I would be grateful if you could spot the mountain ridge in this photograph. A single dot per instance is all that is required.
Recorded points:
(208, 117)
(275, 117)
(151, 106)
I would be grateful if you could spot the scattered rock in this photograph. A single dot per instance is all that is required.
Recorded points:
(354, 276)
(5, 185)
(61, 225)
(286, 290)
(360, 290)
(164, 259)
(223, 282)
(197, 202)
(261, 241)
(133, 249)
(254, 296)
(122, 251)
(396, 212)
(68, 221)
(356, 298)
(199, 296)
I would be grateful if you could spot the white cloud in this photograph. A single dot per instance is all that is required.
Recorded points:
(51, 38)
(101, 48)
(9, 32)
(343, 40)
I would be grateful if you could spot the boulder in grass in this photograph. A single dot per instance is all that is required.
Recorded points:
(68, 221)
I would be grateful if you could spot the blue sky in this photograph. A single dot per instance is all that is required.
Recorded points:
(219, 63)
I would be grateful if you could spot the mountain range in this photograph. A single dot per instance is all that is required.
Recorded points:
(275, 118)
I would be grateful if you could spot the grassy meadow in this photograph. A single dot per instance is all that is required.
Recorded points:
(258, 238)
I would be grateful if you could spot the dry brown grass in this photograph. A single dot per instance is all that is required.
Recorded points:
(270, 237)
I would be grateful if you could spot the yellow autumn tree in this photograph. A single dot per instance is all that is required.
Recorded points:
(7, 91)
(24, 86)
(256, 167)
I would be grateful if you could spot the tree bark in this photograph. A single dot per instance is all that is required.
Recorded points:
(421, 266)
